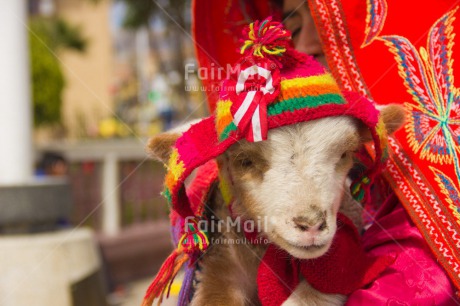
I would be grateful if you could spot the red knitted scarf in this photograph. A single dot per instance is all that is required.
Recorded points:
(344, 269)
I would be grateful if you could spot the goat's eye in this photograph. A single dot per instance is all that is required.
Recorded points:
(249, 165)
(346, 157)
(246, 163)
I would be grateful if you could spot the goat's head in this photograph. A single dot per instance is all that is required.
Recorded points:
(295, 180)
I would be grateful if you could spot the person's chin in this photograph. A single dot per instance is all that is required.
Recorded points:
(322, 59)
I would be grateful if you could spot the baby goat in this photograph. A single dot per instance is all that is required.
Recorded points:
(297, 180)
(301, 132)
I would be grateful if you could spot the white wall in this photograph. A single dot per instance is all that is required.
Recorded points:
(15, 103)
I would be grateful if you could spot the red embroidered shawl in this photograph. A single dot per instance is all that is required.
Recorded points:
(394, 52)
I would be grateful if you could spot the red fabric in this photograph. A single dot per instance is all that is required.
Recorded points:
(411, 19)
(344, 269)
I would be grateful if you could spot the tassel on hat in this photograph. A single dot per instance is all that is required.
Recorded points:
(191, 241)
(265, 39)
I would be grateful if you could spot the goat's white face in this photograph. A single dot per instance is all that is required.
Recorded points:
(296, 180)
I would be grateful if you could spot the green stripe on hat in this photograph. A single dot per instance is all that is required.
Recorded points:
(304, 102)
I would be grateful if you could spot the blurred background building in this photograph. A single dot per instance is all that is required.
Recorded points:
(122, 64)
(106, 75)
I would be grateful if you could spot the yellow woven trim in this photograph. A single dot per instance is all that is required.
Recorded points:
(223, 115)
(312, 80)
(223, 108)
(176, 166)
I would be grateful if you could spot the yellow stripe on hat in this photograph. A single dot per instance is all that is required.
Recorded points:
(312, 80)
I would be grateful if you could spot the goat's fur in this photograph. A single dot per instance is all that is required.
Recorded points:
(298, 179)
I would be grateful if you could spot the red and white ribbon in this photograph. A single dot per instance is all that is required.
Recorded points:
(252, 110)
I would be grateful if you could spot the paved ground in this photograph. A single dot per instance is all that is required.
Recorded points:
(134, 292)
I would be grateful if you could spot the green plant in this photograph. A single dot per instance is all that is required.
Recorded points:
(46, 37)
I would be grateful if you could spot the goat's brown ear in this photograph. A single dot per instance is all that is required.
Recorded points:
(159, 147)
(393, 115)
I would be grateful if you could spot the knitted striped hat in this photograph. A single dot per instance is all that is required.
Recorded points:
(271, 86)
